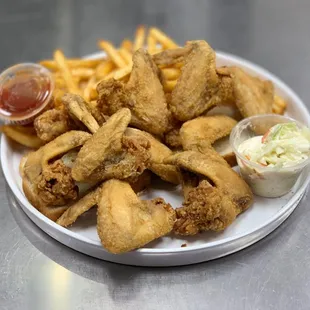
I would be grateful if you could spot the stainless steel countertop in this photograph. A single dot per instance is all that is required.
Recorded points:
(36, 272)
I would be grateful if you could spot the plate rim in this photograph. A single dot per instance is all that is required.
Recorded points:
(226, 241)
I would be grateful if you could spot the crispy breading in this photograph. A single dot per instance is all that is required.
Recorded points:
(214, 194)
(204, 132)
(109, 154)
(56, 186)
(253, 96)
(158, 153)
(40, 178)
(125, 223)
(80, 207)
(77, 108)
(143, 94)
(197, 84)
(51, 124)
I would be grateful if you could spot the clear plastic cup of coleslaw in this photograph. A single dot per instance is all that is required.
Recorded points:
(264, 180)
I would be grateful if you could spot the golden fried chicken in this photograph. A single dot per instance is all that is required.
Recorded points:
(142, 182)
(55, 185)
(78, 110)
(204, 132)
(143, 94)
(158, 153)
(172, 138)
(78, 208)
(197, 84)
(172, 56)
(52, 124)
(91, 199)
(48, 185)
(214, 194)
(110, 154)
(253, 96)
(125, 223)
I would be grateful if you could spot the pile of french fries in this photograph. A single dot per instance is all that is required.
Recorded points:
(81, 76)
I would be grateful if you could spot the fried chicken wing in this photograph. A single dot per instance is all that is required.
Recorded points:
(48, 185)
(80, 207)
(253, 96)
(52, 124)
(110, 154)
(197, 84)
(205, 132)
(125, 223)
(172, 56)
(140, 183)
(143, 94)
(77, 108)
(158, 153)
(55, 185)
(214, 194)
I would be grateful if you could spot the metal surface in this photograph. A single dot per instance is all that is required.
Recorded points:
(36, 272)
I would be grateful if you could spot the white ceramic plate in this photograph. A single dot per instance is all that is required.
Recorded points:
(263, 217)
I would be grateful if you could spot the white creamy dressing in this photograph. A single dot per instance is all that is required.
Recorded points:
(264, 181)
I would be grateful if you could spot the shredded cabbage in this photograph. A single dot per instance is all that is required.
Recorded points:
(283, 145)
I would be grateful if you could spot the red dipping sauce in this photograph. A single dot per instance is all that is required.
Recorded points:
(25, 90)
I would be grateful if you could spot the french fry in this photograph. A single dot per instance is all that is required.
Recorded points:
(120, 73)
(82, 73)
(89, 87)
(21, 135)
(93, 94)
(171, 73)
(72, 63)
(104, 69)
(279, 105)
(64, 69)
(59, 82)
(151, 45)
(78, 73)
(127, 56)
(127, 45)
(162, 38)
(112, 53)
(169, 86)
(139, 39)
(57, 95)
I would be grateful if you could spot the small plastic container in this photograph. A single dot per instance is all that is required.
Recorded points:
(264, 181)
(25, 90)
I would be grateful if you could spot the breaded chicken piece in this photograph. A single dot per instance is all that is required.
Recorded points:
(143, 94)
(91, 199)
(46, 185)
(110, 154)
(172, 138)
(214, 194)
(204, 132)
(78, 109)
(158, 153)
(172, 56)
(56, 186)
(253, 96)
(142, 182)
(52, 124)
(125, 223)
(197, 84)
(80, 207)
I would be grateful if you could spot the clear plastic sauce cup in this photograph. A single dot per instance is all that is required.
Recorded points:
(264, 181)
(25, 90)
